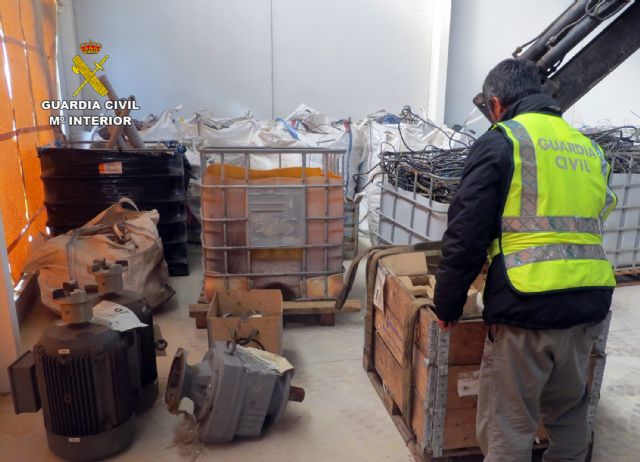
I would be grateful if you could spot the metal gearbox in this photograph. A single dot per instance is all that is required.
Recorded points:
(235, 391)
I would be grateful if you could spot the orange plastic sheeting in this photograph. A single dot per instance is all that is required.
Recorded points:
(38, 64)
(45, 136)
(12, 199)
(11, 191)
(27, 144)
(17, 258)
(39, 82)
(32, 75)
(46, 15)
(18, 66)
(20, 251)
(6, 108)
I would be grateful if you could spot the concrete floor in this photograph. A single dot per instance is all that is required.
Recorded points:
(341, 418)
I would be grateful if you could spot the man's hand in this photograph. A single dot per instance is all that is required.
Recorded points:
(446, 325)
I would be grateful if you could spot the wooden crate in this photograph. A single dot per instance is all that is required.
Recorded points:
(324, 310)
(427, 378)
(400, 293)
(464, 355)
(229, 318)
(627, 276)
(401, 356)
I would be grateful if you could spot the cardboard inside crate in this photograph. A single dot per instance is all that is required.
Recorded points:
(230, 310)
(418, 278)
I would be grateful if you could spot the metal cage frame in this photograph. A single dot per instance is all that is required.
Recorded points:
(331, 163)
(628, 203)
(389, 185)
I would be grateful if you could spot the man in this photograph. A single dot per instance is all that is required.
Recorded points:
(533, 196)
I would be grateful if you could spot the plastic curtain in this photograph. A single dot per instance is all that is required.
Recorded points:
(27, 76)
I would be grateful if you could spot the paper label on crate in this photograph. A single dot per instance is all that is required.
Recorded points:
(277, 362)
(116, 317)
(469, 383)
(378, 290)
(110, 168)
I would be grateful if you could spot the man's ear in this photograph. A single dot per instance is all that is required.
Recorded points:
(496, 109)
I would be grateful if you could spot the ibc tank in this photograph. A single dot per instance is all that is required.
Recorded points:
(273, 228)
(80, 183)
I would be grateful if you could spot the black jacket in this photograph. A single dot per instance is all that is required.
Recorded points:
(474, 221)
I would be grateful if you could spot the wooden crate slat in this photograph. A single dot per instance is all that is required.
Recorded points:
(320, 306)
(627, 276)
(323, 308)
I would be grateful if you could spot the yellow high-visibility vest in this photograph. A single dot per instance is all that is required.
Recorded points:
(558, 200)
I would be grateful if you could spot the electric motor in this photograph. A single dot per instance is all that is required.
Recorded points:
(111, 288)
(80, 373)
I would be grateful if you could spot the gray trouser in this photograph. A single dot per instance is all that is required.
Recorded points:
(528, 374)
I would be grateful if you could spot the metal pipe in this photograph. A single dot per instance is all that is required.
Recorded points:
(540, 46)
(597, 59)
(115, 137)
(129, 130)
(275, 274)
(269, 247)
(203, 240)
(220, 220)
(305, 227)
(560, 49)
(264, 150)
(325, 168)
(224, 214)
(247, 207)
(260, 186)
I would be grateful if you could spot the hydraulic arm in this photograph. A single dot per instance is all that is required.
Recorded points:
(568, 82)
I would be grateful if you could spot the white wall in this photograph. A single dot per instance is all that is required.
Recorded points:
(483, 32)
(351, 57)
(345, 57)
(203, 54)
